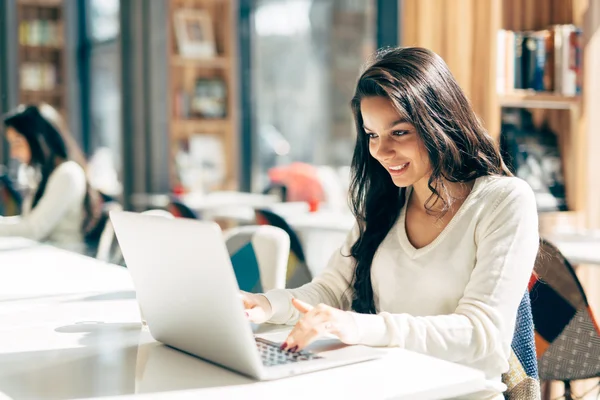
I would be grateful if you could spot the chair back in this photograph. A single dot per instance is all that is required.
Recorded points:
(180, 210)
(259, 255)
(106, 243)
(522, 380)
(159, 213)
(108, 249)
(298, 272)
(567, 336)
(10, 198)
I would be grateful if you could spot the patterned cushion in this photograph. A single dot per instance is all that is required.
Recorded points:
(247, 272)
(567, 336)
(522, 377)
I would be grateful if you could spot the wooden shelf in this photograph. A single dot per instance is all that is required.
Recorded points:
(40, 48)
(52, 92)
(216, 62)
(185, 72)
(183, 128)
(531, 99)
(550, 222)
(38, 52)
(41, 3)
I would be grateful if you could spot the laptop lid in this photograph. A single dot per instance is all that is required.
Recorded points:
(186, 287)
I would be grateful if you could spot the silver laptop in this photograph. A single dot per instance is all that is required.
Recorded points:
(186, 287)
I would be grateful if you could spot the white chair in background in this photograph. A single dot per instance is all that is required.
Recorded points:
(271, 247)
(107, 250)
(105, 243)
(159, 213)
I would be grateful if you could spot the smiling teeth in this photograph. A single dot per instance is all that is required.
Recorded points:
(399, 167)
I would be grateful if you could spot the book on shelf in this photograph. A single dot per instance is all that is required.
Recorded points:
(549, 60)
(38, 76)
(39, 31)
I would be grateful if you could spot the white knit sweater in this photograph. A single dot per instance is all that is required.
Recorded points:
(58, 215)
(454, 299)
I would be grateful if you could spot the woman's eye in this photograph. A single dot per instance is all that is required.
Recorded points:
(399, 133)
(371, 135)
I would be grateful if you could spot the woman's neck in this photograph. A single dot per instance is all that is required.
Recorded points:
(455, 191)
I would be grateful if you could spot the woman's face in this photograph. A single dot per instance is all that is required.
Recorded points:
(19, 148)
(394, 142)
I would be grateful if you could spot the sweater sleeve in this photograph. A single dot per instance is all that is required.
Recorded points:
(483, 323)
(65, 186)
(331, 287)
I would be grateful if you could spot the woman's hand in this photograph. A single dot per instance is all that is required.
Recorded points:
(317, 322)
(258, 309)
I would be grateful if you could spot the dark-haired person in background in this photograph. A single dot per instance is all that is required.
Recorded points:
(445, 240)
(61, 207)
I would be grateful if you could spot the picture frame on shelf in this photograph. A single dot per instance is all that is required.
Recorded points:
(194, 34)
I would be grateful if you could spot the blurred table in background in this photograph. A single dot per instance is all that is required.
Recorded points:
(321, 232)
(578, 247)
(228, 204)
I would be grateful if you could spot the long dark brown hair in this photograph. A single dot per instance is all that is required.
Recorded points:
(423, 91)
(51, 144)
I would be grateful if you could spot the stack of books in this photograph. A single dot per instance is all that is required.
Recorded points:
(548, 61)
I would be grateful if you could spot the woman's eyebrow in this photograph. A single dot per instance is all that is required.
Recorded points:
(393, 124)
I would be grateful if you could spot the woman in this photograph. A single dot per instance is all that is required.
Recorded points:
(445, 240)
(61, 208)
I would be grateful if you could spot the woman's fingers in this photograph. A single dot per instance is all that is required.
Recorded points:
(301, 306)
(307, 330)
(255, 310)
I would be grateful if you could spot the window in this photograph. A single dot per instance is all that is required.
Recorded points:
(306, 57)
(104, 19)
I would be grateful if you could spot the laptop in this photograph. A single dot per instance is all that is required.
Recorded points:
(186, 287)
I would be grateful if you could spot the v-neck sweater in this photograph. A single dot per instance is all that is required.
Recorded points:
(455, 298)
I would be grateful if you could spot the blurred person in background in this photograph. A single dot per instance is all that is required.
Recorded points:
(445, 238)
(60, 208)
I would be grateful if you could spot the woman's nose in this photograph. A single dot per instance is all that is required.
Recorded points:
(386, 150)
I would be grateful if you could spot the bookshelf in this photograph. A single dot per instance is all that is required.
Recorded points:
(196, 110)
(547, 20)
(465, 34)
(41, 52)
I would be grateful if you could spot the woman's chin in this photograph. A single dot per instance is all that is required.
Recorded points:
(402, 181)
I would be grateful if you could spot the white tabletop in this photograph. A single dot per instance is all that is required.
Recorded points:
(214, 200)
(232, 204)
(81, 338)
(581, 248)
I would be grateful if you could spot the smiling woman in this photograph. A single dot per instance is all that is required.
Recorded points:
(398, 146)
(445, 238)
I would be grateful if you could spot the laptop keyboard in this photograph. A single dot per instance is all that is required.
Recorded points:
(272, 355)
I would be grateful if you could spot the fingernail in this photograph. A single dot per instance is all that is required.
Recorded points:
(246, 312)
(293, 349)
(283, 346)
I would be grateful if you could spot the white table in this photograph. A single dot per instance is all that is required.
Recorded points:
(223, 204)
(578, 248)
(321, 233)
(80, 337)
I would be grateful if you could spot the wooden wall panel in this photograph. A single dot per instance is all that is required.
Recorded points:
(538, 14)
(458, 40)
(463, 32)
